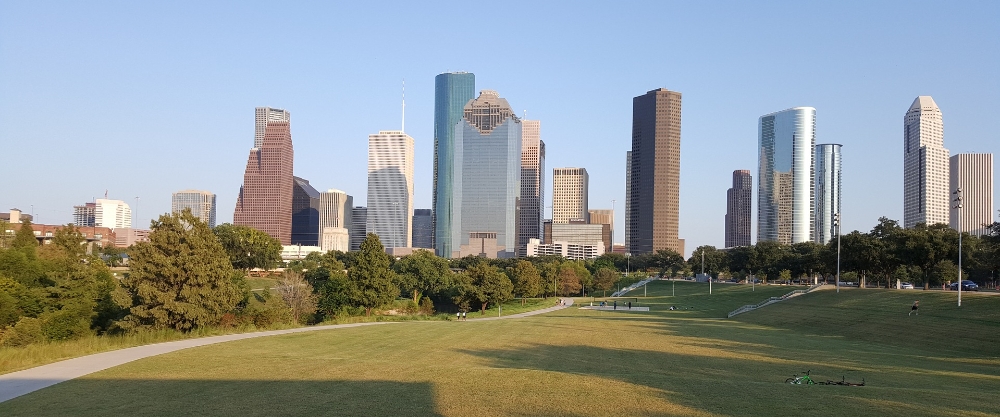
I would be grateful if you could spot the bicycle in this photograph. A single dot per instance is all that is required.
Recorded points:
(799, 380)
(843, 381)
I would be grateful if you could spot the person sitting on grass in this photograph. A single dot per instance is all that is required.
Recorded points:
(913, 310)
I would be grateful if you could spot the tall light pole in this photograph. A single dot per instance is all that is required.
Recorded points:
(703, 271)
(958, 199)
(836, 223)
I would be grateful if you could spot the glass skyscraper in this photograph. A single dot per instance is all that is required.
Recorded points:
(452, 91)
(487, 174)
(827, 190)
(785, 188)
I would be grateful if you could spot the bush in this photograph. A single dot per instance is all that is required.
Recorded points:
(65, 324)
(27, 331)
(426, 306)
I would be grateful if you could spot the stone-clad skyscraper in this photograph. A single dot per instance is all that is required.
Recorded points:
(265, 199)
(973, 173)
(739, 199)
(570, 195)
(926, 197)
(532, 185)
(201, 203)
(452, 91)
(390, 188)
(655, 172)
(785, 192)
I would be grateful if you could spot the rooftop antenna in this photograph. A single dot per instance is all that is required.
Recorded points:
(403, 127)
(525, 114)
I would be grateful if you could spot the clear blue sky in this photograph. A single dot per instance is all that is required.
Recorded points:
(145, 99)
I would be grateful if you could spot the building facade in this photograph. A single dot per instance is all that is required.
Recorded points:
(487, 173)
(264, 116)
(604, 217)
(201, 204)
(532, 185)
(358, 231)
(85, 215)
(305, 213)
(113, 214)
(570, 198)
(654, 173)
(573, 251)
(452, 91)
(827, 191)
(926, 197)
(628, 199)
(265, 199)
(973, 173)
(738, 209)
(423, 228)
(785, 188)
(336, 220)
(390, 188)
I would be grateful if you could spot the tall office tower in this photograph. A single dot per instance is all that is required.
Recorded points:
(305, 213)
(738, 208)
(265, 199)
(628, 197)
(452, 91)
(532, 185)
(827, 192)
(570, 199)
(973, 172)
(486, 174)
(263, 116)
(604, 217)
(84, 216)
(359, 223)
(201, 204)
(336, 210)
(390, 188)
(926, 198)
(423, 229)
(785, 192)
(113, 214)
(655, 175)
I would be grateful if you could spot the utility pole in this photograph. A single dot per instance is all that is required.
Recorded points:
(836, 223)
(958, 207)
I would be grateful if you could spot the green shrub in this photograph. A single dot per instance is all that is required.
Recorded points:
(426, 306)
(65, 324)
(27, 331)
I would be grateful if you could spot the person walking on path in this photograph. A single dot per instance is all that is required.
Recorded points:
(913, 310)
(616, 305)
(464, 316)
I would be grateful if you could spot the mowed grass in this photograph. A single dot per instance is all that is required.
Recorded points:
(585, 362)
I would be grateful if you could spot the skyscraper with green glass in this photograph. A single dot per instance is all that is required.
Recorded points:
(452, 90)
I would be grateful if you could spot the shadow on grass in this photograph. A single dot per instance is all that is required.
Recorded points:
(101, 397)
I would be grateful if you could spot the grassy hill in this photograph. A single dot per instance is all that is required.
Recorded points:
(585, 362)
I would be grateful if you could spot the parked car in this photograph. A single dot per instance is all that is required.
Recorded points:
(906, 286)
(966, 286)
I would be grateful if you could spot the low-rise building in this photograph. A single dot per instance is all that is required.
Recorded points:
(574, 251)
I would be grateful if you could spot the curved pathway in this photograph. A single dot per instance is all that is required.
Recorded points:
(16, 384)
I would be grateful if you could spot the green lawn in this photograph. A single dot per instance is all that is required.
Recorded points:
(583, 362)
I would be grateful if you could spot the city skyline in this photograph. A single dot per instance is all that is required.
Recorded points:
(338, 99)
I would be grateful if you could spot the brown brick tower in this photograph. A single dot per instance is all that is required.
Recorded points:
(265, 200)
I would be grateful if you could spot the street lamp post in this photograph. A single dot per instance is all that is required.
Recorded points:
(836, 223)
(958, 199)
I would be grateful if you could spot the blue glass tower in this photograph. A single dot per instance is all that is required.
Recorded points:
(785, 191)
(452, 90)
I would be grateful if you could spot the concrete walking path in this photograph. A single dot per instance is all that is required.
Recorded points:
(16, 384)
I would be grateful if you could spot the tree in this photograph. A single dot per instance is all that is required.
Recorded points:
(374, 283)
(248, 248)
(605, 279)
(491, 285)
(715, 260)
(180, 279)
(24, 240)
(422, 273)
(526, 279)
(569, 281)
(297, 293)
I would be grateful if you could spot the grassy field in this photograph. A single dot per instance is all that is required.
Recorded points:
(583, 362)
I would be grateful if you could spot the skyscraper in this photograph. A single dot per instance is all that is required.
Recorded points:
(359, 221)
(113, 214)
(265, 199)
(738, 208)
(84, 215)
(201, 204)
(570, 199)
(486, 174)
(785, 192)
(263, 116)
(628, 198)
(606, 218)
(973, 172)
(452, 91)
(654, 174)
(827, 191)
(926, 198)
(423, 231)
(336, 220)
(532, 185)
(305, 213)
(390, 188)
